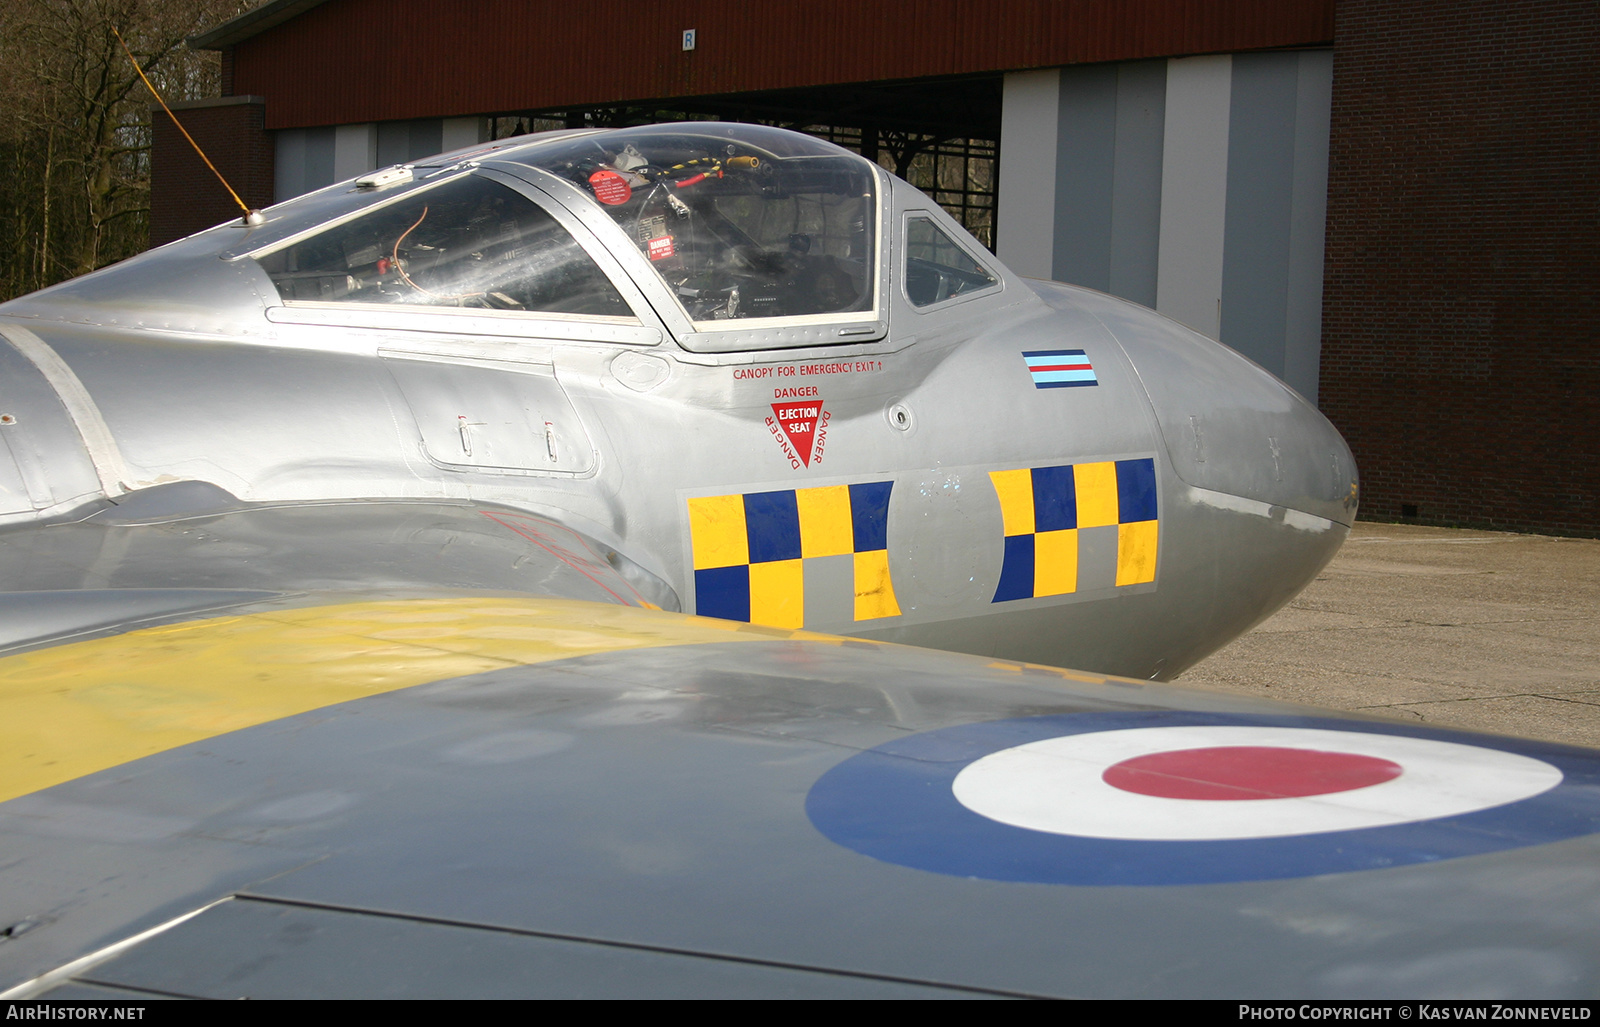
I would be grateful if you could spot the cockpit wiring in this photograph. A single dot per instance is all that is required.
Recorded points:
(398, 266)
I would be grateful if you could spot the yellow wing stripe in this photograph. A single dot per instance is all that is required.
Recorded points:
(86, 706)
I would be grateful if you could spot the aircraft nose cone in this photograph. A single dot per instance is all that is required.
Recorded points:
(1231, 427)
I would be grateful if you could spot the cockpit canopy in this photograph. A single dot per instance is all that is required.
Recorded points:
(469, 242)
(738, 221)
(751, 223)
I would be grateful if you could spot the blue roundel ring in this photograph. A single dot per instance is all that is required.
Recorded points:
(895, 803)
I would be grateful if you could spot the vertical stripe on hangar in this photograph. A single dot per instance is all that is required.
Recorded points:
(1026, 220)
(1136, 186)
(1278, 176)
(1086, 134)
(1194, 191)
(1255, 279)
(1087, 165)
(1302, 357)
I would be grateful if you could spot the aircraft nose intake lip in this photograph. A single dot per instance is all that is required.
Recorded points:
(1231, 427)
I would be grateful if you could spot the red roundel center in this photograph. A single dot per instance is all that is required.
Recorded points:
(1236, 772)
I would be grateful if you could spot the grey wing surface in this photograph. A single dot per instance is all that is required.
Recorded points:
(444, 795)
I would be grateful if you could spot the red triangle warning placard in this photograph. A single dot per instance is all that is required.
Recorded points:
(798, 421)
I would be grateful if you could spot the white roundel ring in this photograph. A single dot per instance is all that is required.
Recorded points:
(1185, 798)
(1059, 784)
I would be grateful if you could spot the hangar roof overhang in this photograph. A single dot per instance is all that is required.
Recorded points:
(252, 22)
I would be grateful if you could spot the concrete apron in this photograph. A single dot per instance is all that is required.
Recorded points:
(1488, 631)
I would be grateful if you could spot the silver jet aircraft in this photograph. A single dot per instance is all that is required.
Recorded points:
(347, 551)
(752, 375)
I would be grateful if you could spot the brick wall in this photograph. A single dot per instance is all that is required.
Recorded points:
(1461, 328)
(185, 197)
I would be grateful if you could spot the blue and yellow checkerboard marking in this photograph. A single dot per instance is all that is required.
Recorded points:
(750, 551)
(1044, 508)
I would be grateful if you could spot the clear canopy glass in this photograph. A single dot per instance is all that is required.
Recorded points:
(938, 267)
(467, 243)
(740, 221)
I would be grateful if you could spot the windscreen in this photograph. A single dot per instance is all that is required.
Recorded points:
(938, 267)
(467, 243)
(739, 221)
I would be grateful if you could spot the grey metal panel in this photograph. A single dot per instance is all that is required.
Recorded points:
(303, 952)
(459, 133)
(1231, 427)
(1097, 556)
(1194, 190)
(426, 138)
(17, 494)
(797, 336)
(1261, 550)
(325, 546)
(1261, 145)
(38, 438)
(829, 589)
(1085, 158)
(87, 838)
(156, 396)
(320, 151)
(167, 502)
(1136, 181)
(206, 296)
(506, 418)
(402, 142)
(29, 617)
(455, 321)
(754, 728)
(288, 164)
(394, 143)
(77, 991)
(355, 150)
(1302, 359)
(1026, 218)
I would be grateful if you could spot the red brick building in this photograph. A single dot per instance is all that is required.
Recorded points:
(1393, 206)
(1461, 310)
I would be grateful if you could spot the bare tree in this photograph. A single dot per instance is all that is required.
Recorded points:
(75, 126)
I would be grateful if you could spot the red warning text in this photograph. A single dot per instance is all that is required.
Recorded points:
(803, 370)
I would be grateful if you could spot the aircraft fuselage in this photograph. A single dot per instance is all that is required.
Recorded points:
(960, 459)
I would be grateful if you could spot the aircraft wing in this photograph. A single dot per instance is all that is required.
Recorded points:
(422, 792)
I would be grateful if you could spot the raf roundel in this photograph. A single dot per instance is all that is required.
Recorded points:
(1183, 798)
